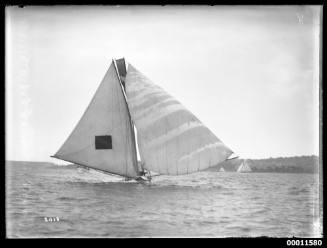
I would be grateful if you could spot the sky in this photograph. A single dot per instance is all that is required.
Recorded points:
(249, 73)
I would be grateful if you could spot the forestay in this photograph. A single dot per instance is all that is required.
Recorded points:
(102, 139)
(171, 139)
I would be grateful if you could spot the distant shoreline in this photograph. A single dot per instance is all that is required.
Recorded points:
(296, 164)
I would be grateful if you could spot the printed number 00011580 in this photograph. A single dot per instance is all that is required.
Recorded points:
(305, 242)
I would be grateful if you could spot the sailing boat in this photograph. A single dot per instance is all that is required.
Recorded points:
(129, 110)
(222, 169)
(244, 167)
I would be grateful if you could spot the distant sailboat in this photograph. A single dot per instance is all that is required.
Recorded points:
(170, 139)
(244, 167)
(222, 169)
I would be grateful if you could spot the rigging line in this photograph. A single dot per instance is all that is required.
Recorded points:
(177, 153)
(133, 139)
(199, 155)
(126, 139)
(134, 143)
(127, 146)
(166, 148)
(188, 150)
(112, 115)
(140, 146)
(120, 117)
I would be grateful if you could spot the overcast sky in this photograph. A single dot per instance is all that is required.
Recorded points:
(251, 74)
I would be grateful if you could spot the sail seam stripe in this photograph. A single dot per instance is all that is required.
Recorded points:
(136, 89)
(209, 146)
(160, 110)
(143, 113)
(160, 114)
(150, 102)
(144, 93)
(139, 89)
(141, 99)
(174, 133)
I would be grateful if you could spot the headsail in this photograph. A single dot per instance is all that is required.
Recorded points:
(171, 139)
(102, 139)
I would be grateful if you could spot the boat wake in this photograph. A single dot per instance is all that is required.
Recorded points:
(92, 176)
(200, 180)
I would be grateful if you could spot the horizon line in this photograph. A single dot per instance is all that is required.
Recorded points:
(140, 160)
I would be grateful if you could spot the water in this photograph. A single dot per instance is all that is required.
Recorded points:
(205, 204)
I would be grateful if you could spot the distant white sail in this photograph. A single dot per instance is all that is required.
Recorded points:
(244, 167)
(103, 137)
(221, 169)
(171, 139)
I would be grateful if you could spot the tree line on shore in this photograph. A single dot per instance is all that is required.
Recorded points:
(297, 164)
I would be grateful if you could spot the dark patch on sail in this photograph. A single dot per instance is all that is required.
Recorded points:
(103, 142)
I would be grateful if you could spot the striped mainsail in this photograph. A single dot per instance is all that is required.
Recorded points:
(103, 137)
(171, 139)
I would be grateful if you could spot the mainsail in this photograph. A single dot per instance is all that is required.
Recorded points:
(244, 167)
(103, 137)
(171, 139)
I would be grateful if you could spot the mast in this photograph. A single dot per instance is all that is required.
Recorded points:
(121, 71)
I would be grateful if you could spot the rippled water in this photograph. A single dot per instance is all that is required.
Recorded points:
(205, 204)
